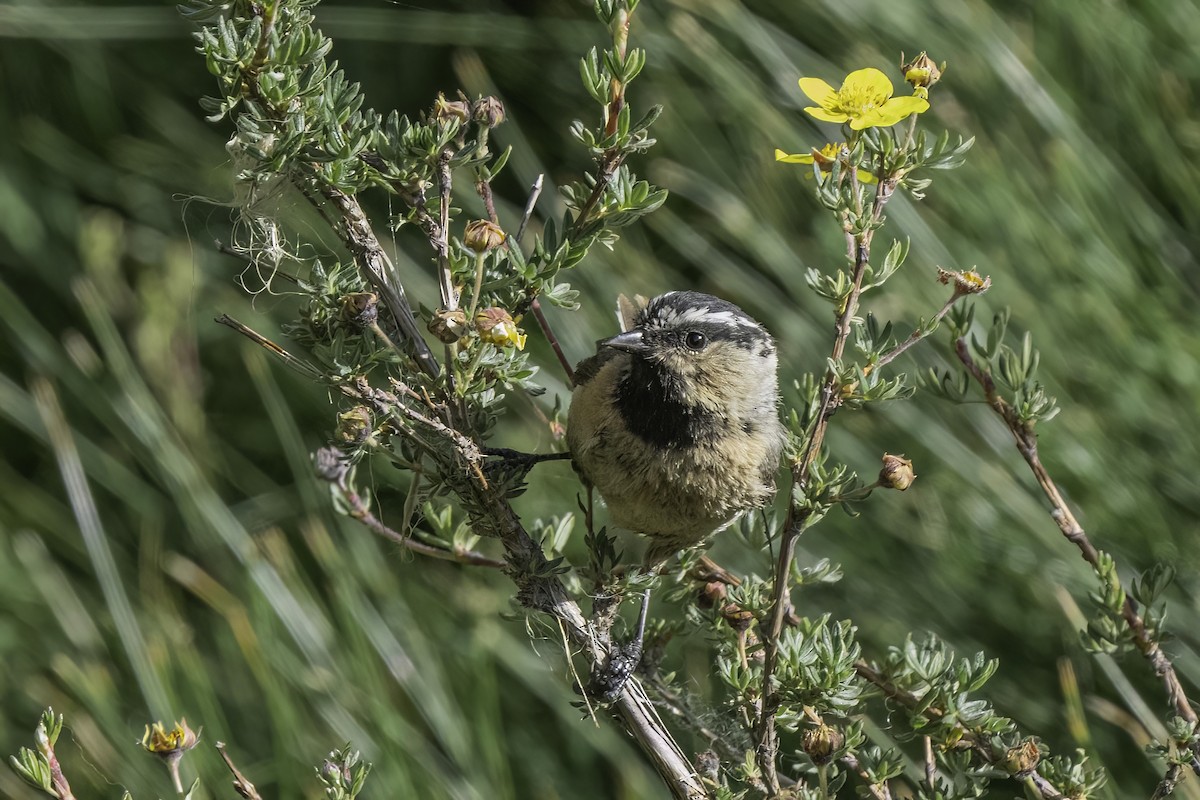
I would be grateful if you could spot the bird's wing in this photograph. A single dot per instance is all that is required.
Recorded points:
(586, 370)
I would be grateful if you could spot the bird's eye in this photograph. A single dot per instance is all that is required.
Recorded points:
(696, 340)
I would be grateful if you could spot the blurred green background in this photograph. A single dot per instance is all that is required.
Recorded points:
(164, 550)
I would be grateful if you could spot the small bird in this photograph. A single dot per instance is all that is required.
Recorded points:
(675, 420)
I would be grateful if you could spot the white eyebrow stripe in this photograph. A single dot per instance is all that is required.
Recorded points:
(670, 317)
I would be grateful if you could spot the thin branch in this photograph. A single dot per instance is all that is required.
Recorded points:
(879, 791)
(978, 742)
(860, 246)
(930, 765)
(439, 236)
(537, 586)
(915, 337)
(360, 512)
(298, 364)
(535, 191)
(544, 324)
(241, 784)
(359, 238)
(1166, 787)
(1026, 442)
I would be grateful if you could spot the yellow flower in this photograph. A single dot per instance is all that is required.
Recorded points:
(496, 326)
(865, 100)
(823, 158)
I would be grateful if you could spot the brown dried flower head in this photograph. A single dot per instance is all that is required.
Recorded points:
(922, 72)
(354, 426)
(447, 110)
(1022, 759)
(361, 308)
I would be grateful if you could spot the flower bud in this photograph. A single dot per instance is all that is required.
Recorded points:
(488, 111)
(361, 308)
(448, 326)
(711, 594)
(483, 236)
(496, 326)
(821, 742)
(449, 110)
(921, 72)
(1022, 759)
(897, 473)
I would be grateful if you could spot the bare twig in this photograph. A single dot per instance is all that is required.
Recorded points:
(298, 364)
(930, 765)
(241, 784)
(535, 191)
(360, 512)
(544, 324)
(1026, 442)
(439, 236)
(1166, 787)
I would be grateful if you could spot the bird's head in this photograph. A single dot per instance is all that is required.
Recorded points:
(700, 351)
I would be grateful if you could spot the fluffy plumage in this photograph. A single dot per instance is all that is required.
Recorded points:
(675, 421)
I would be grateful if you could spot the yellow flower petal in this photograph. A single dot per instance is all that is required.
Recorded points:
(867, 81)
(818, 91)
(793, 158)
(891, 112)
(826, 116)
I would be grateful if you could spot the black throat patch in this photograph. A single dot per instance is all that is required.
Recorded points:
(648, 400)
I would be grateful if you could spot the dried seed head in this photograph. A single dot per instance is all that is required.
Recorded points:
(1022, 759)
(820, 743)
(738, 618)
(711, 594)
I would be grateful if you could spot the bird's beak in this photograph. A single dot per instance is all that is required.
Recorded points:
(629, 341)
